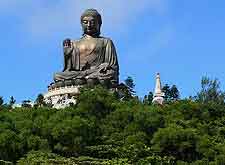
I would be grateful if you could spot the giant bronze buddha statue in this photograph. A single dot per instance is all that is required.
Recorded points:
(90, 60)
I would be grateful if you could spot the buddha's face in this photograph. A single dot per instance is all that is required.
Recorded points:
(90, 25)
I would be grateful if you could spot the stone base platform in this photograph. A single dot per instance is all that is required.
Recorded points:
(62, 94)
(61, 97)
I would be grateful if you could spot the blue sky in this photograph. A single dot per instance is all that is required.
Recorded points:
(183, 40)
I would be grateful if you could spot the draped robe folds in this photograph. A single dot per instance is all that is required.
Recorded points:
(100, 63)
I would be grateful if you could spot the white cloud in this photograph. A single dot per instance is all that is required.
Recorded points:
(162, 39)
(45, 18)
(151, 46)
(16, 7)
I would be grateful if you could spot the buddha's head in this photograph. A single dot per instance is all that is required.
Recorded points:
(91, 22)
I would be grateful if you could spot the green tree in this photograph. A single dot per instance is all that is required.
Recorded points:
(40, 100)
(1, 100)
(70, 136)
(129, 82)
(174, 93)
(171, 93)
(101, 129)
(176, 142)
(148, 99)
(26, 104)
(125, 91)
(97, 102)
(210, 91)
(12, 101)
(167, 92)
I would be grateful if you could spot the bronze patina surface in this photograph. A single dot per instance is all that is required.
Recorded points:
(90, 60)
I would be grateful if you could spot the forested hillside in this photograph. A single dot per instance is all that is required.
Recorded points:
(103, 129)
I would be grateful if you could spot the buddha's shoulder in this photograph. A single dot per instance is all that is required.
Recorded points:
(100, 39)
(77, 40)
(106, 39)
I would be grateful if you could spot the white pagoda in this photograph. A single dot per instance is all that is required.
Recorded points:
(158, 94)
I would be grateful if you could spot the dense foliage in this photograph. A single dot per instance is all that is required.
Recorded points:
(102, 129)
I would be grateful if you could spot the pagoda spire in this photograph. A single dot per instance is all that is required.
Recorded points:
(158, 94)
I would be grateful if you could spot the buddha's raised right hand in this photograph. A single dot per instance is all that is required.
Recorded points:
(67, 46)
(67, 43)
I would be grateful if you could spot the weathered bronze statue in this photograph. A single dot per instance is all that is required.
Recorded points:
(90, 60)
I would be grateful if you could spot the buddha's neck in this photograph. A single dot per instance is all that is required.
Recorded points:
(90, 36)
